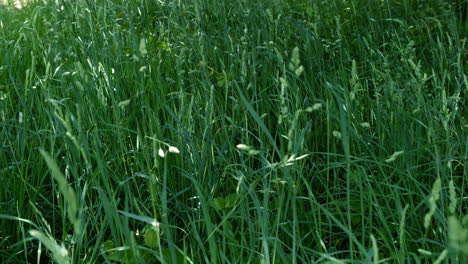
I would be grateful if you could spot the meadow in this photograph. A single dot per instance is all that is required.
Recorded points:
(215, 131)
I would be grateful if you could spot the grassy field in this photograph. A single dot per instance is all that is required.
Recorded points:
(211, 131)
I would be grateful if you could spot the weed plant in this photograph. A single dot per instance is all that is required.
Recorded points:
(205, 131)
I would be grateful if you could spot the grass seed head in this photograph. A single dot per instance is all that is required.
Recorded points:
(173, 149)
(161, 153)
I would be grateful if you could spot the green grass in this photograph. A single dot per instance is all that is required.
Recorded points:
(234, 131)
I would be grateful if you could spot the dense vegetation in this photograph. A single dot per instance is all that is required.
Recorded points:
(210, 131)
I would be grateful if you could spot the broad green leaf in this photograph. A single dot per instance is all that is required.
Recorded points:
(218, 203)
(152, 237)
(230, 200)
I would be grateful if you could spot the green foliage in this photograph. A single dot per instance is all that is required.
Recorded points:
(152, 237)
(238, 131)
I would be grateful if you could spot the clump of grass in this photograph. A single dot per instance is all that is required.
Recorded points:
(233, 132)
